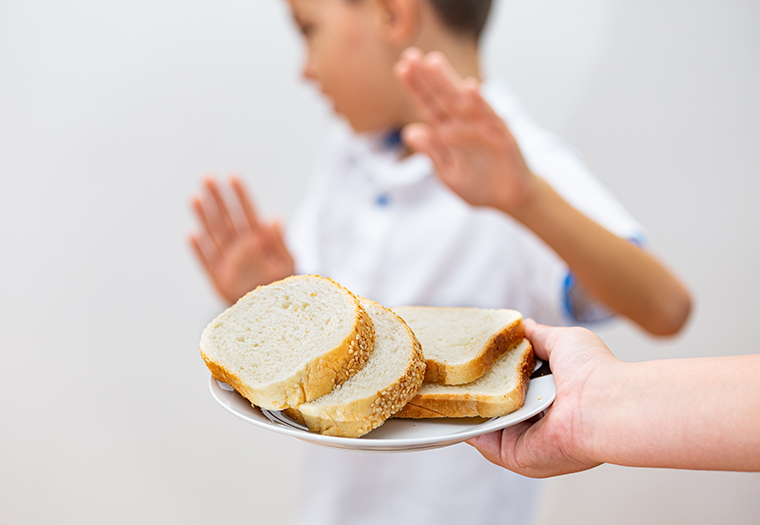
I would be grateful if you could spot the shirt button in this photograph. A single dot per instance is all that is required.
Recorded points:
(383, 200)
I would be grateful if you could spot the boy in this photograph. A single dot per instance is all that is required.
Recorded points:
(494, 221)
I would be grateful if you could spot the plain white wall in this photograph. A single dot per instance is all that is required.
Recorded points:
(110, 113)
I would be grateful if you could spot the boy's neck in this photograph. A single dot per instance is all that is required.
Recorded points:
(461, 50)
(464, 56)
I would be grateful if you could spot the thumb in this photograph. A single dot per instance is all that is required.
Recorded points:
(423, 139)
(276, 237)
(540, 337)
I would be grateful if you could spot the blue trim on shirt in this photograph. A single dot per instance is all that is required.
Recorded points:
(393, 139)
(383, 200)
(639, 240)
(571, 282)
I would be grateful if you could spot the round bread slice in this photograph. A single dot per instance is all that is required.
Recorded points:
(460, 344)
(498, 392)
(289, 342)
(391, 377)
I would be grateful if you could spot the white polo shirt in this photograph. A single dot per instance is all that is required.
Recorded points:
(387, 229)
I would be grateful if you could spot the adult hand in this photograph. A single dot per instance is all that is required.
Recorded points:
(559, 442)
(693, 413)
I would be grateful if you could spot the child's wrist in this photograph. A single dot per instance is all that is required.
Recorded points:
(529, 205)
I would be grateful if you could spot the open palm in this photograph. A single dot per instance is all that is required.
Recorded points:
(473, 151)
(236, 250)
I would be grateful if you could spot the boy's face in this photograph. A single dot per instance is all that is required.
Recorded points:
(350, 62)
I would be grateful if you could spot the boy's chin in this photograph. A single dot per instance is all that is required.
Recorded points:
(364, 126)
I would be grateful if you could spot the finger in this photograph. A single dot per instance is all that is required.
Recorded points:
(223, 223)
(412, 89)
(473, 104)
(408, 56)
(245, 203)
(422, 138)
(403, 71)
(205, 262)
(435, 102)
(489, 445)
(411, 71)
(412, 53)
(206, 245)
(200, 213)
(278, 241)
(538, 335)
(500, 447)
(209, 228)
(443, 84)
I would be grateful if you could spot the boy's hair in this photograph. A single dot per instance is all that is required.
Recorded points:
(466, 17)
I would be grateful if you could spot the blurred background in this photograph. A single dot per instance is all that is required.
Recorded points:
(111, 112)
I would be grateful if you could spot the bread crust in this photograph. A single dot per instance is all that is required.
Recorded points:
(317, 377)
(458, 404)
(458, 374)
(360, 416)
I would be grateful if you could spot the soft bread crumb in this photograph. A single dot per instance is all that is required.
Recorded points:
(460, 344)
(289, 342)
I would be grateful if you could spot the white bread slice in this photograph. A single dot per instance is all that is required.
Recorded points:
(289, 342)
(391, 377)
(460, 344)
(498, 392)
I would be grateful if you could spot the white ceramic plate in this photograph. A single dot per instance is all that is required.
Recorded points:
(395, 435)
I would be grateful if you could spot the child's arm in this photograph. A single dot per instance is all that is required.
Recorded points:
(678, 413)
(237, 251)
(476, 155)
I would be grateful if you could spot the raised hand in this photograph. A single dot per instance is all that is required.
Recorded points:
(237, 251)
(471, 147)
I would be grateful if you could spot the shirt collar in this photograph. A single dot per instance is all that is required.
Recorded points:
(379, 157)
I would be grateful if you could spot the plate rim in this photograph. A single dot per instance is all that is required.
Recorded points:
(392, 444)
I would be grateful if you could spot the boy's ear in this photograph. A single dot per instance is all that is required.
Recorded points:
(399, 20)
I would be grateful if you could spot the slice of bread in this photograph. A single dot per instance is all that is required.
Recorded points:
(500, 391)
(460, 344)
(391, 377)
(289, 342)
